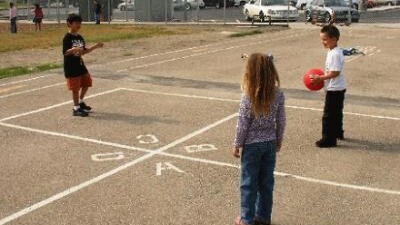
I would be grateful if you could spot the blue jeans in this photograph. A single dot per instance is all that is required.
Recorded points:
(257, 181)
(97, 18)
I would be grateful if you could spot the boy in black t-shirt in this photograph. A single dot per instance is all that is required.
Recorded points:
(78, 77)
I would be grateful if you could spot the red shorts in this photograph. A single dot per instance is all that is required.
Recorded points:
(76, 83)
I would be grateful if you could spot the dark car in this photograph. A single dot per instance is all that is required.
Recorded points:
(323, 11)
(219, 3)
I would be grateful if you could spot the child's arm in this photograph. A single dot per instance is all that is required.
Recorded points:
(68, 49)
(329, 75)
(243, 124)
(280, 122)
(335, 65)
(73, 51)
(92, 48)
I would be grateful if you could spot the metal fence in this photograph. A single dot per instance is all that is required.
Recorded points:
(209, 11)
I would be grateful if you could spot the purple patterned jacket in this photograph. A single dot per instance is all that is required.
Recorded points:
(251, 130)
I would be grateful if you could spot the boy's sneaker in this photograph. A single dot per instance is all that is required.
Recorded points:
(257, 221)
(79, 112)
(85, 107)
(323, 143)
(340, 137)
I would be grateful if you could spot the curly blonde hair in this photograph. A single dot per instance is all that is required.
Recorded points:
(260, 83)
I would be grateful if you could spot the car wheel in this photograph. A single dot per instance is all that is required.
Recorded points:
(302, 6)
(390, 4)
(308, 16)
(355, 20)
(242, 3)
(327, 17)
(188, 6)
(218, 5)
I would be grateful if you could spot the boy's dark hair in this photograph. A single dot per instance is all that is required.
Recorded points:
(74, 18)
(11, 4)
(331, 31)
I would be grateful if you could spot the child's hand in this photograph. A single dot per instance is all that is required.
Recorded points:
(316, 79)
(77, 51)
(99, 45)
(236, 152)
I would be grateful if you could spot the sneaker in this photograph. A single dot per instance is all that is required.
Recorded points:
(258, 221)
(79, 112)
(238, 221)
(85, 107)
(323, 143)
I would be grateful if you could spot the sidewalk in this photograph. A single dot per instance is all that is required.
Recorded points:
(177, 23)
(383, 8)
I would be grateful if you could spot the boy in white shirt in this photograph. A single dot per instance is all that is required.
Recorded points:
(335, 87)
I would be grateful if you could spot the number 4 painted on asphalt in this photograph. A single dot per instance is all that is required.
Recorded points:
(166, 166)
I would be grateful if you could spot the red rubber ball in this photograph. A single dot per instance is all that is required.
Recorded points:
(307, 79)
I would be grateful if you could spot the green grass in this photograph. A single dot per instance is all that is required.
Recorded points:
(5, 4)
(19, 70)
(51, 36)
(246, 33)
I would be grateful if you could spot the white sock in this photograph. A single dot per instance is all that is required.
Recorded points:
(76, 107)
(80, 101)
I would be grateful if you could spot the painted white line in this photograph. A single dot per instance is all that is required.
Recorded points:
(193, 159)
(200, 47)
(341, 185)
(236, 100)
(74, 137)
(12, 88)
(180, 95)
(209, 52)
(109, 173)
(156, 54)
(22, 81)
(282, 174)
(31, 90)
(56, 105)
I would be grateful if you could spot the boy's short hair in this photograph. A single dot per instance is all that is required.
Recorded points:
(11, 4)
(74, 18)
(331, 31)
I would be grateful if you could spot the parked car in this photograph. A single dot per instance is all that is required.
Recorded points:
(57, 5)
(276, 10)
(323, 11)
(241, 2)
(127, 6)
(189, 4)
(302, 4)
(386, 2)
(354, 3)
(218, 3)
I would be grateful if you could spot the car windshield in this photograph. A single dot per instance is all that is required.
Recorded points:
(274, 2)
(336, 3)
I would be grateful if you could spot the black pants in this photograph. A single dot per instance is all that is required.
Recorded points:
(332, 120)
(13, 25)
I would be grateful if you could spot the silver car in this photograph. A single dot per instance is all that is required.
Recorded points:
(188, 4)
(322, 11)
